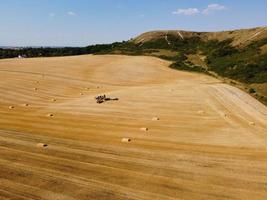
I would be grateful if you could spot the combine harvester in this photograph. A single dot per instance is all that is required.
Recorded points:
(102, 98)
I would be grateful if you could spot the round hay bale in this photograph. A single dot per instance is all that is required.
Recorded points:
(37, 81)
(155, 119)
(126, 140)
(144, 129)
(53, 100)
(35, 89)
(11, 107)
(50, 115)
(41, 145)
(251, 123)
(201, 112)
(87, 88)
(26, 104)
(81, 94)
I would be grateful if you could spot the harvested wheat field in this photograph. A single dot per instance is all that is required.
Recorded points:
(206, 140)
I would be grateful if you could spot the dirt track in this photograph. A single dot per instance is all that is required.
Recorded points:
(210, 141)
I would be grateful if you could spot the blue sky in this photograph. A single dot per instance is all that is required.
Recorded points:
(84, 22)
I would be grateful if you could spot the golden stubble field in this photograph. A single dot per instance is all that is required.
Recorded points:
(210, 141)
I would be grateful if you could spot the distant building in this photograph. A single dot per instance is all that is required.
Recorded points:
(22, 56)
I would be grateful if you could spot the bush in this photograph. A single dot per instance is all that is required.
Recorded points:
(187, 67)
(251, 91)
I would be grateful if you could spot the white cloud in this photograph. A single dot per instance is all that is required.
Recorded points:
(52, 15)
(187, 11)
(71, 13)
(194, 11)
(212, 8)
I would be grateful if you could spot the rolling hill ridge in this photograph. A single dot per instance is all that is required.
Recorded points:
(241, 37)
